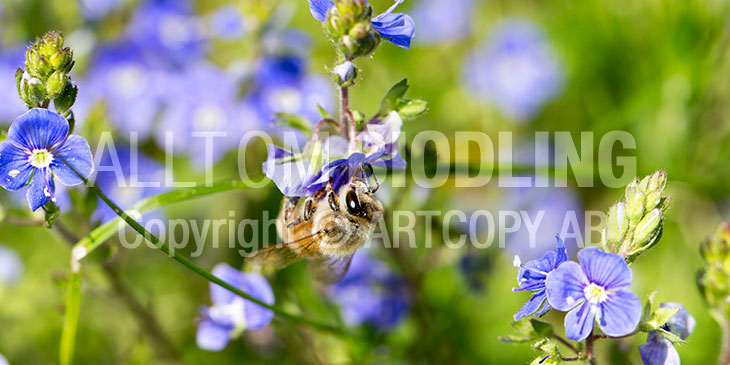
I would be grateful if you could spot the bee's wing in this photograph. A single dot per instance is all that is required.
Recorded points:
(329, 270)
(279, 256)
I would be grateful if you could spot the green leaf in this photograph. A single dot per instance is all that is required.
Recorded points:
(66, 100)
(412, 108)
(393, 97)
(293, 121)
(324, 113)
(671, 336)
(660, 317)
(71, 316)
(646, 314)
(542, 328)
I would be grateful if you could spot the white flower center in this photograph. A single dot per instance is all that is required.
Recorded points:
(40, 158)
(595, 294)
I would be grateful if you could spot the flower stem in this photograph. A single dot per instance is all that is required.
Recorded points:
(567, 344)
(589, 350)
(346, 116)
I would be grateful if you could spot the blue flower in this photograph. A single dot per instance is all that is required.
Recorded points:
(370, 293)
(532, 276)
(282, 85)
(37, 150)
(11, 266)
(11, 59)
(443, 21)
(127, 177)
(231, 314)
(658, 350)
(597, 289)
(121, 76)
(227, 23)
(397, 28)
(168, 31)
(516, 69)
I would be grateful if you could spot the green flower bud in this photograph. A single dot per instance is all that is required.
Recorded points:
(647, 230)
(32, 91)
(635, 201)
(714, 280)
(617, 224)
(345, 73)
(657, 181)
(56, 84)
(36, 64)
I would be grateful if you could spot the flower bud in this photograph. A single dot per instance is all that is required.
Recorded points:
(36, 64)
(657, 181)
(32, 91)
(56, 84)
(345, 73)
(714, 280)
(635, 201)
(617, 224)
(647, 229)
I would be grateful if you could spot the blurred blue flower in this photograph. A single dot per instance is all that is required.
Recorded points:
(230, 314)
(11, 267)
(168, 31)
(126, 176)
(37, 150)
(443, 21)
(97, 9)
(658, 350)
(370, 293)
(121, 77)
(282, 85)
(397, 28)
(10, 60)
(227, 22)
(3, 360)
(597, 289)
(515, 69)
(202, 100)
(532, 276)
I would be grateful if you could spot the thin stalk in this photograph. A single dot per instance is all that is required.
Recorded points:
(71, 316)
(567, 344)
(195, 268)
(346, 118)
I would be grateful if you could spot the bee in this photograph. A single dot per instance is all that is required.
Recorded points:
(325, 229)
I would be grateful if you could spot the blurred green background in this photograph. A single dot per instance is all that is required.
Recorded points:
(657, 69)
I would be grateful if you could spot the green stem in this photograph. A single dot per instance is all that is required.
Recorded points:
(71, 317)
(191, 265)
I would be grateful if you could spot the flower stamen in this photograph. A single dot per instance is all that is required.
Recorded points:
(594, 293)
(40, 158)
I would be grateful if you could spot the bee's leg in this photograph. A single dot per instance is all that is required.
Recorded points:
(289, 205)
(332, 199)
(309, 209)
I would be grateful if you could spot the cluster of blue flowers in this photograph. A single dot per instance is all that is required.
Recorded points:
(595, 289)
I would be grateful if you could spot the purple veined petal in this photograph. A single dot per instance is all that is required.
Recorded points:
(658, 351)
(605, 269)
(396, 28)
(620, 313)
(565, 286)
(319, 8)
(293, 177)
(220, 295)
(257, 316)
(532, 305)
(14, 167)
(75, 152)
(212, 336)
(579, 322)
(681, 324)
(562, 252)
(38, 128)
(41, 189)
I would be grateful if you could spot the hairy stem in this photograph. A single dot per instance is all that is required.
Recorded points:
(346, 118)
(589, 350)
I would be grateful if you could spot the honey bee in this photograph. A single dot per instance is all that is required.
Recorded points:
(325, 229)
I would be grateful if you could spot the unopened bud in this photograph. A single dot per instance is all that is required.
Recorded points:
(56, 84)
(647, 229)
(635, 201)
(345, 73)
(617, 224)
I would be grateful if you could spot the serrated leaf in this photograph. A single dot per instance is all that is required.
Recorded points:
(293, 121)
(324, 113)
(646, 313)
(393, 97)
(660, 317)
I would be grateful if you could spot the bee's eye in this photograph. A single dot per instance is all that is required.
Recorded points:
(353, 203)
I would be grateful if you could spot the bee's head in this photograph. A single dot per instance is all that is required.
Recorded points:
(358, 200)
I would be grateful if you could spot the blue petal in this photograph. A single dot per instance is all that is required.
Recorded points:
(75, 152)
(620, 313)
(256, 315)
(212, 336)
(658, 351)
(319, 8)
(531, 306)
(13, 160)
(38, 128)
(579, 322)
(562, 253)
(294, 177)
(220, 295)
(565, 286)
(41, 189)
(396, 28)
(681, 324)
(605, 269)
